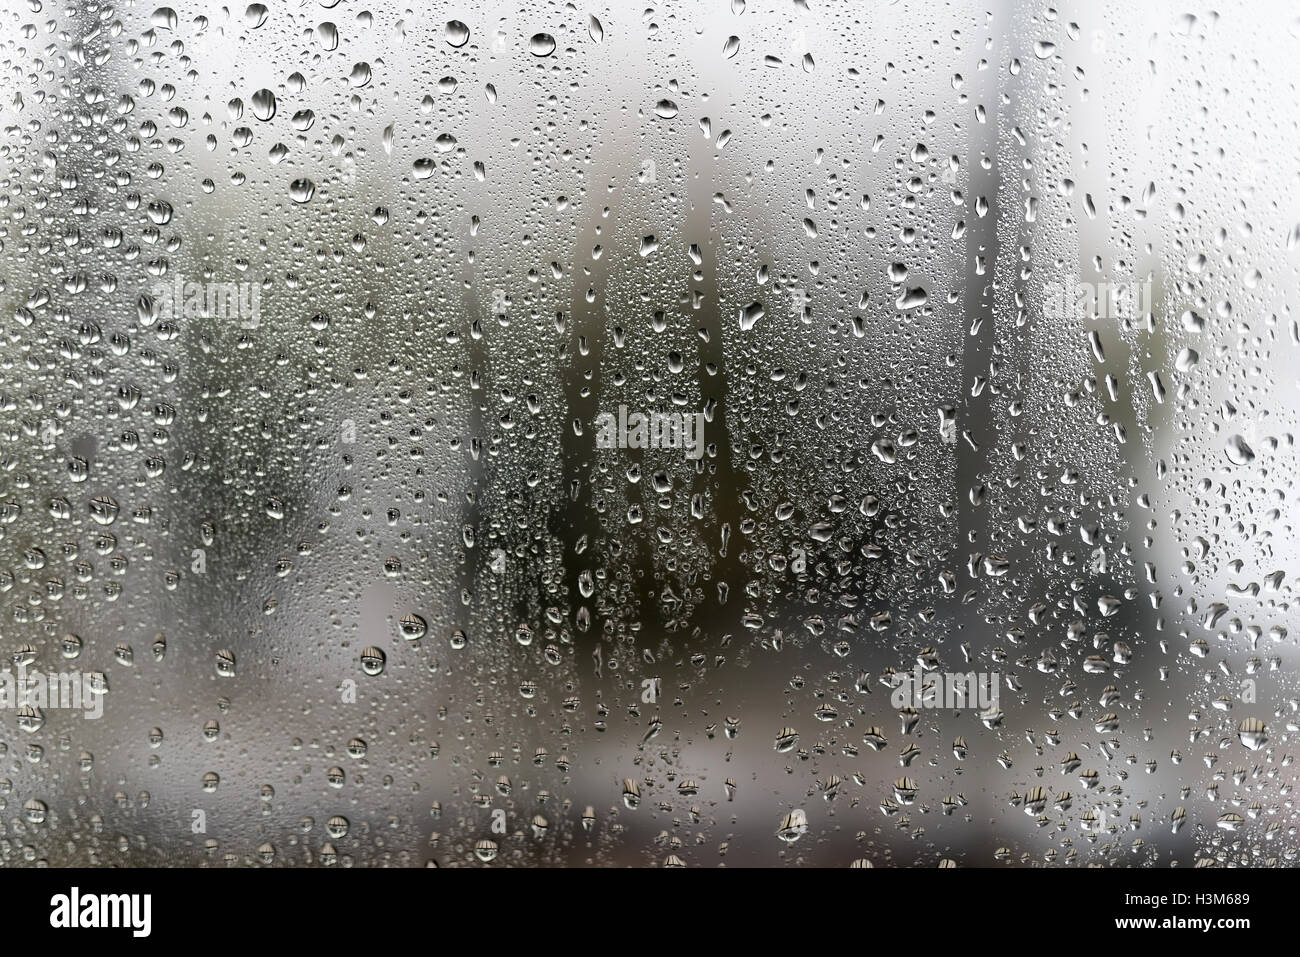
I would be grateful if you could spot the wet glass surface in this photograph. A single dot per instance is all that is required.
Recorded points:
(750, 433)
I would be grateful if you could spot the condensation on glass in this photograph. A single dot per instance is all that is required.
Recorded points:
(751, 433)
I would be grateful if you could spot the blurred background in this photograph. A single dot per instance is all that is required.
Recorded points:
(334, 527)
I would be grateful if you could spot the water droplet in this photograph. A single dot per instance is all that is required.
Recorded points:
(455, 33)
